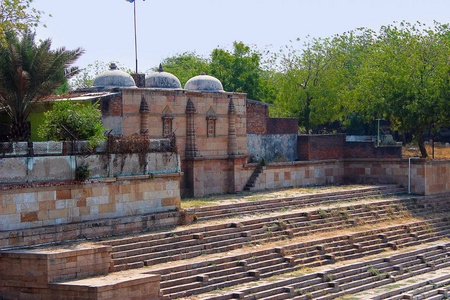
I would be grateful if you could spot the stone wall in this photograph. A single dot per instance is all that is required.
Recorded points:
(25, 208)
(216, 175)
(423, 176)
(271, 146)
(51, 161)
(172, 104)
(428, 177)
(293, 174)
(37, 274)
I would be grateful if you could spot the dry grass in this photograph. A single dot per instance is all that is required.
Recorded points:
(263, 195)
(440, 151)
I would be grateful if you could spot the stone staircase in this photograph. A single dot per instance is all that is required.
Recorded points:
(225, 272)
(150, 249)
(337, 245)
(225, 211)
(252, 180)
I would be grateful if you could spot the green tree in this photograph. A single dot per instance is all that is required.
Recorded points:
(405, 78)
(185, 66)
(17, 16)
(68, 120)
(239, 71)
(29, 72)
(308, 83)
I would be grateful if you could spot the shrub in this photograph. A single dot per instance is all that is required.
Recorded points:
(68, 121)
(82, 173)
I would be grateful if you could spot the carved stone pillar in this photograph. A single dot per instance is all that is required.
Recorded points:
(191, 144)
(145, 116)
(232, 141)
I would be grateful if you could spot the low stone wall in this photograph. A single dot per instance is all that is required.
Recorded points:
(26, 208)
(293, 174)
(37, 274)
(423, 176)
(213, 175)
(56, 168)
(53, 265)
(427, 177)
(272, 146)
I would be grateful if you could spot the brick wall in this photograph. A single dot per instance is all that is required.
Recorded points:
(282, 125)
(110, 105)
(319, 147)
(334, 146)
(369, 150)
(258, 120)
(257, 116)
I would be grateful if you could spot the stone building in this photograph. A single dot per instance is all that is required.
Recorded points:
(209, 123)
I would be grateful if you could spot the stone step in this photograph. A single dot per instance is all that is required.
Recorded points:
(200, 245)
(270, 266)
(220, 211)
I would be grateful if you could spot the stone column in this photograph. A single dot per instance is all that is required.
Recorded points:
(145, 116)
(191, 144)
(232, 141)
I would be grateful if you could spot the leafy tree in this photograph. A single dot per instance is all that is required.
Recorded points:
(29, 72)
(17, 16)
(185, 66)
(405, 78)
(68, 120)
(239, 71)
(308, 83)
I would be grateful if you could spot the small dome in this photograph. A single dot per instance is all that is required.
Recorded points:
(114, 78)
(162, 80)
(204, 82)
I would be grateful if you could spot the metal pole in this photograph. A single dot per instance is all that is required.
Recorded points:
(135, 37)
(378, 137)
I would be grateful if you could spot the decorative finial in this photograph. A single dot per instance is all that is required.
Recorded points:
(160, 69)
(202, 73)
(112, 66)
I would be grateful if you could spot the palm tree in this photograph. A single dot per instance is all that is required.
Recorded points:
(29, 72)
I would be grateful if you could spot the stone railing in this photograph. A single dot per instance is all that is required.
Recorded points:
(26, 162)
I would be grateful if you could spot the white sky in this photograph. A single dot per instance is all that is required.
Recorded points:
(104, 28)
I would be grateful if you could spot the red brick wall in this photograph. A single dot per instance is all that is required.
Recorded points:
(282, 125)
(111, 105)
(257, 117)
(258, 120)
(334, 146)
(368, 150)
(321, 147)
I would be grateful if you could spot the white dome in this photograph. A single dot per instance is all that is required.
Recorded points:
(114, 78)
(204, 82)
(162, 80)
